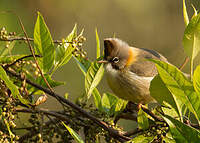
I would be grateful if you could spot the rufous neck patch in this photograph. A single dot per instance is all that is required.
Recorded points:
(132, 56)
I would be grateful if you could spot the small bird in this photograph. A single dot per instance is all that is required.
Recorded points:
(128, 71)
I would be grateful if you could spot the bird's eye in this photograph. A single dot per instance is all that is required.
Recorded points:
(115, 60)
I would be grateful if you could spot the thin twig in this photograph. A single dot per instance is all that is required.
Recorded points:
(44, 111)
(20, 59)
(114, 133)
(155, 117)
(184, 63)
(33, 52)
(30, 39)
(133, 132)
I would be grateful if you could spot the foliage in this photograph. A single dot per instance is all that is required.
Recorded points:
(22, 79)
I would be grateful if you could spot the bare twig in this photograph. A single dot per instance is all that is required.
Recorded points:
(184, 63)
(20, 59)
(25, 39)
(44, 111)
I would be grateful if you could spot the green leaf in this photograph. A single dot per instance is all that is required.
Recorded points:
(93, 77)
(73, 134)
(11, 86)
(66, 95)
(98, 45)
(191, 39)
(83, 64)
(72, 35)
(161, 94)
(111, 104)
(176, 135)
(97, 98)
(51, 82)
(108, 102)
(44, 44)
(169, 110)
(180, 87)
(185, 15)
(142, 120)
(63, 55)
(168, 138)
(142, 139)
(195, 11)
(120, 105)
(64, 52)
(196, 79)
(185, 132)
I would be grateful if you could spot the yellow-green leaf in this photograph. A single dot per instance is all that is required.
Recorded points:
(185, 15)
(191, 39)
(142, 139)
(73, 134)
(93, 77)
(43, 44)
(11, 86)
(196, 80)
(97, 98)
(142, 120)
(180, 87)
(162, 95)
(181, 132)
(64, 51)
(98, 44)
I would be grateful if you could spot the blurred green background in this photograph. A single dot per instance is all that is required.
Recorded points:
(152, 24)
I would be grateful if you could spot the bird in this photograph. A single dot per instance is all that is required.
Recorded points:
(128, 72)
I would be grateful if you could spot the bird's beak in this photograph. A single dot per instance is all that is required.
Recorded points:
(102, 61)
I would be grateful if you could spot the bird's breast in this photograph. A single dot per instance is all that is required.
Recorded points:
(128, 85)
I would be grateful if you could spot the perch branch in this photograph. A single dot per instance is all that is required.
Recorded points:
(114, 133)
(155, 117)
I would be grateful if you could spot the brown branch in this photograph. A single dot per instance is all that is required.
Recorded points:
(30, 39)
(188, 122)
(20, 59)
(44, 111)
(114, 133)
(133, 132)
(127, 116)
(155, 117)
(184, 63)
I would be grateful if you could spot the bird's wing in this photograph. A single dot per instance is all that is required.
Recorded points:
(142, 66)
